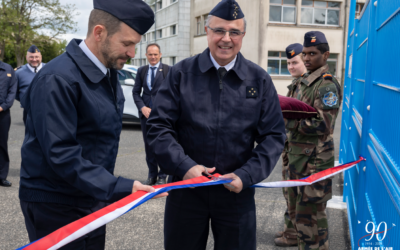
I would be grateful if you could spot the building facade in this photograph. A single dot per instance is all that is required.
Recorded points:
(171, 31)
(274, 24)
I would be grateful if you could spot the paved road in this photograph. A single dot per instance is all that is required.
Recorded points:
(142, 228)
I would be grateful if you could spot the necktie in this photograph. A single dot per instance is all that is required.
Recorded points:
(35, 70)
(221, 72)
(152, 77)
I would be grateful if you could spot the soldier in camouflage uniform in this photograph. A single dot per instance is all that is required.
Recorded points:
(309, 148)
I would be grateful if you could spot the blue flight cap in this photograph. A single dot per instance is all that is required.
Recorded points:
(293, 50)
(137, 14)
(313, 38)
(227, 10)
(33, 49)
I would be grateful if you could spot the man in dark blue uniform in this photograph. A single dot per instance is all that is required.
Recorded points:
(207, 116)
(26, 73)
(74, 122)
(8, 88)
(148, 79)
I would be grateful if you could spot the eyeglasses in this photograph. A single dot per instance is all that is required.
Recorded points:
(221, 32)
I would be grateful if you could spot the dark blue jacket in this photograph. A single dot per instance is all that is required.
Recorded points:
(147, 94)
(72, 134)
(24, 77)
(194, 121)
(8, 85)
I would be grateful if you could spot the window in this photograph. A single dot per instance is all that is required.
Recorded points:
(332, 62)
(282, 11)
(144, 38)
(124, 75)
(198, 20)
(277, 63)
(159, 5)
(204, 21)
(173, 60)
(359, 8)
(159, 33)
(173, 1)
(153, 36)
(173, 30)
(320, 13)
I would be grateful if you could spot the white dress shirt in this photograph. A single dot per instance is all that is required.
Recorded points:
(149, 74)
(37, 68)
(228, 67)
(92, 57)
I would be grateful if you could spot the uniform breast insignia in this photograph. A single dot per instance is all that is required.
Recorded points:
(330, 99)
(9, 75)
(251, 92)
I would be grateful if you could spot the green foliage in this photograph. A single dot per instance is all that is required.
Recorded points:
(51, 49)
(23, 22)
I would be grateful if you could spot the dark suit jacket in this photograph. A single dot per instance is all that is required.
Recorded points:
(148, 94)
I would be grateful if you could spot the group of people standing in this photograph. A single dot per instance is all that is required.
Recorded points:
(13, 85)
(204, 116)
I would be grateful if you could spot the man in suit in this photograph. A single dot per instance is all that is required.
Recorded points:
(26, 73)
(150, 77)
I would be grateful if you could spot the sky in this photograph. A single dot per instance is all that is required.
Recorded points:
(83, 7)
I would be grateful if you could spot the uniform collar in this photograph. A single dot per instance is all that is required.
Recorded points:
(205, 64)
(312, 76)
(92, 57)
(33, 69)
(2, 65)
(228, 67)
(93, 72)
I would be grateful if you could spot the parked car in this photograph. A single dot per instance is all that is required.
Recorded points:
(126, 77)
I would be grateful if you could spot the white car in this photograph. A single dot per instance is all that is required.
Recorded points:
(126, 77)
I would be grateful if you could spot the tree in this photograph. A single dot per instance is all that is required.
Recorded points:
(26, 21)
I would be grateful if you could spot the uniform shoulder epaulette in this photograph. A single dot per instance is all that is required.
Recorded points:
(17, 68)
(327, 76)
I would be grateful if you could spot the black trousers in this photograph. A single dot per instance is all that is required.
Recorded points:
(188, 213)
(24, 115)
(150, 156)
(42, 219)
(5, 123)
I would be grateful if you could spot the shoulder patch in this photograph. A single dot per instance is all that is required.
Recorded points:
(329, 96)
(327, 76)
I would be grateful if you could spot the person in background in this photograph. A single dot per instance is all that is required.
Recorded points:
(8, 88)
(26, 73)
(148, 79)
(310, 148)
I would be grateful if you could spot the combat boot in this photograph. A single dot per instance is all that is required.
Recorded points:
(287, 241)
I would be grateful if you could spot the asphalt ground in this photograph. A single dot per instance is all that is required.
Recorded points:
(142, 228)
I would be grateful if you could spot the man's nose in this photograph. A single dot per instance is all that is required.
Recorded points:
(226, 37)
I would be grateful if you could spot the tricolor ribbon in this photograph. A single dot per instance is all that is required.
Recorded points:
(83, 226)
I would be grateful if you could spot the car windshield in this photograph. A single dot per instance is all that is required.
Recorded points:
(124, 74)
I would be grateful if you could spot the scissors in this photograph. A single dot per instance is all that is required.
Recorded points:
(216, 178)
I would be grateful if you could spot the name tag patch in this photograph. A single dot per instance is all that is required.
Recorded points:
(251, 92)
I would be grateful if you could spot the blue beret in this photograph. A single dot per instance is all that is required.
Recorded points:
(137, 14)
(227, 10)
(313, 38)
(293, 50)
(33, 49)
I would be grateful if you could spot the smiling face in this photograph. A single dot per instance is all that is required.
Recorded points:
(223, 48)
(34, 59)
(118, 48)
(296, 66)
(313, 58)
(153, 55)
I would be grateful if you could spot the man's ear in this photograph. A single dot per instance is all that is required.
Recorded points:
(99, 32)
(326, 55)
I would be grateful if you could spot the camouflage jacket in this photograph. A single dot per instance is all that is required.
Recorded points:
(311, 139)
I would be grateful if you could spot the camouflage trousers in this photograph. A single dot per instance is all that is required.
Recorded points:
(305, 216)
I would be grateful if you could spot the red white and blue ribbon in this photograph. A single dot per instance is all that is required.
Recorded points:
(87, 224)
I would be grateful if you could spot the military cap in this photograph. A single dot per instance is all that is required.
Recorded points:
(313, 38)
(293, 50)
(33, 49)
(227, 10)
(137, 14)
